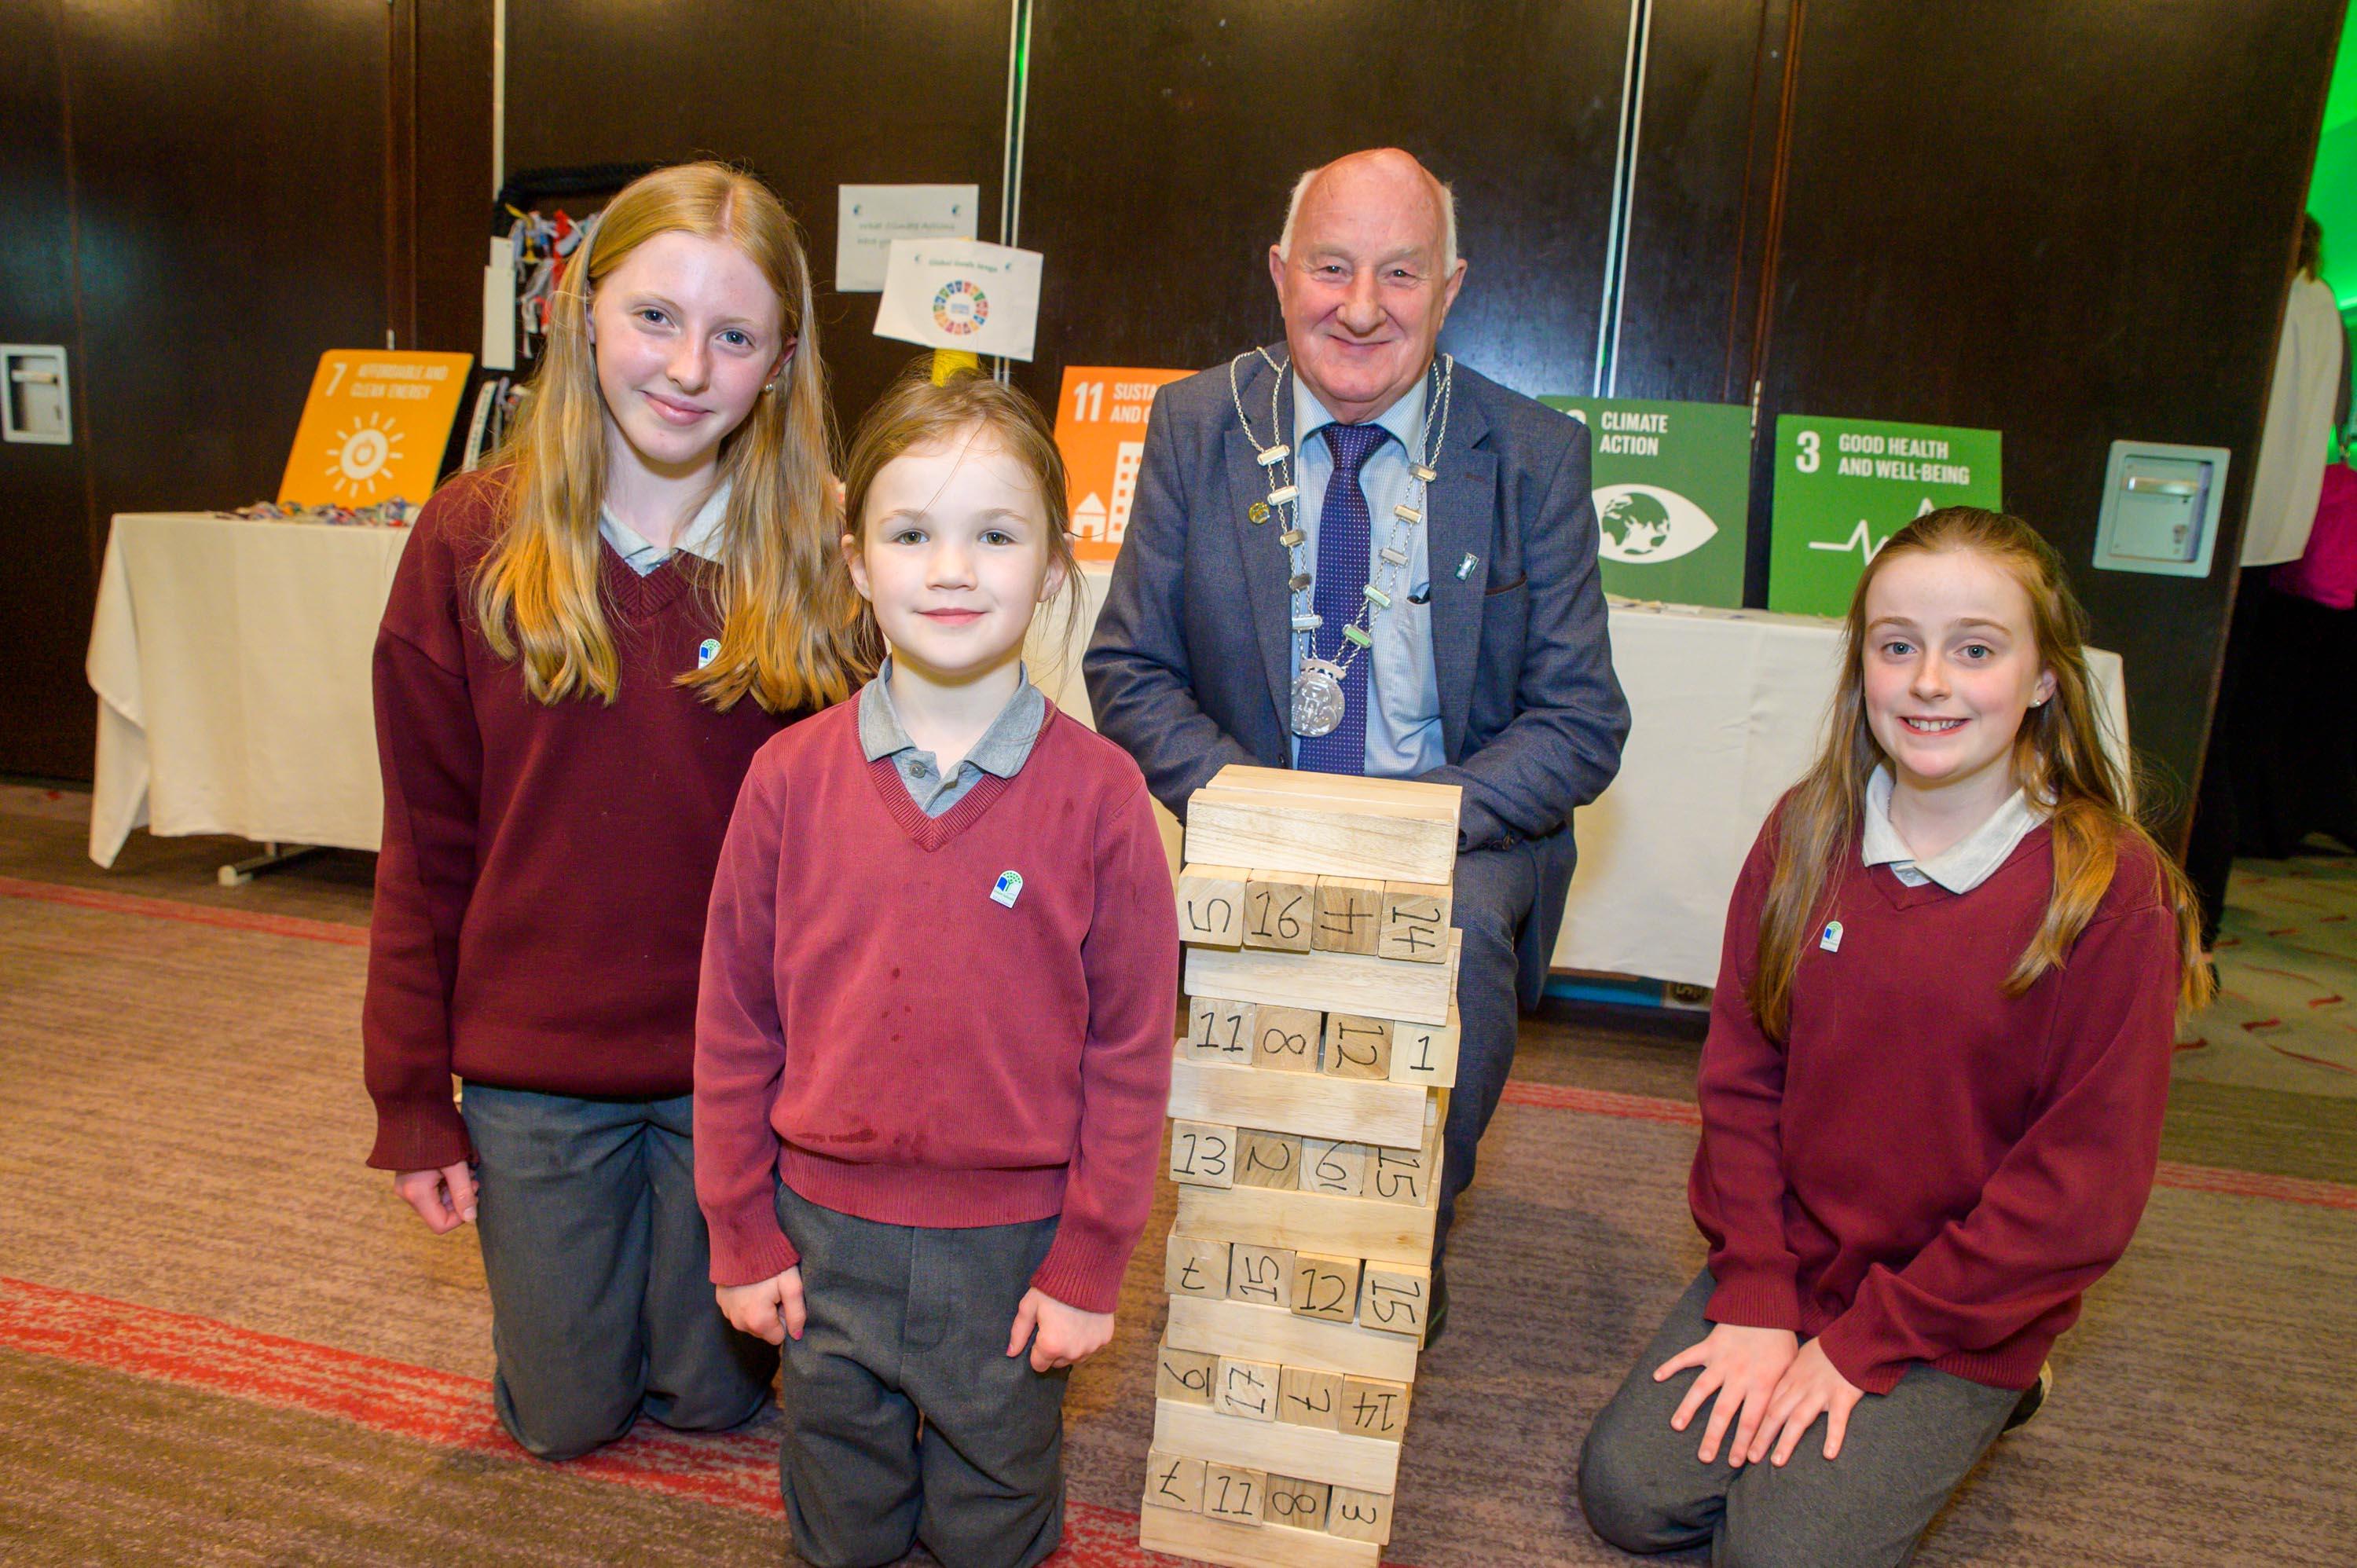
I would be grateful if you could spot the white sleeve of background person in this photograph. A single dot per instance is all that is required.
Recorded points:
(2292, 449)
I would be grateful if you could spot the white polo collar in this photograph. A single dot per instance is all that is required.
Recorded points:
(1963, 865)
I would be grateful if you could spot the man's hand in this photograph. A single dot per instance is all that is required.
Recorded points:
(444, 1199)
(1742, 1367)
(1066, 1335)
(768, 1309)
(1811, 1384)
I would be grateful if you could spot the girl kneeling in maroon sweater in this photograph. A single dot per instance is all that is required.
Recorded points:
(583, 649)
(1933, 1088)
(940, 985)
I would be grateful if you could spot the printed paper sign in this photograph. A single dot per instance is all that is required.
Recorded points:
(1672, 483)
(1101, 430)
(869, 218)
(374, 427)
(961, 293)
(1844, 486)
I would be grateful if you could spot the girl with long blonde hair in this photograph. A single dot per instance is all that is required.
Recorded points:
(1933, 1089)
(585, 645)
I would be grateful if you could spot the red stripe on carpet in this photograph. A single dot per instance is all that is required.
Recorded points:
(428, 1406)
(2172, 1174)
(292, 926)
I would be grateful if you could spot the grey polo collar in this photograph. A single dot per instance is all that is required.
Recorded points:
(1003, 748)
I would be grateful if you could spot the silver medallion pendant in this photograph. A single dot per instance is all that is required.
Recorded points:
(1316, 698)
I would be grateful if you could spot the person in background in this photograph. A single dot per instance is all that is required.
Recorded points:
(2309, 386)
(585, 646)
(933, 1048)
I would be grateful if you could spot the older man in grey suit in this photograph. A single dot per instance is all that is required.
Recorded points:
(1347, 554)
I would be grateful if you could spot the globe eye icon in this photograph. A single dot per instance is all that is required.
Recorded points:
(1644, 525)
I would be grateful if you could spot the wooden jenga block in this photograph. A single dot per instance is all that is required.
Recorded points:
(1193, 1265)
(1425, 1054)
(1234, 1493)
(1353, 1227)
(1202, 1154)
(1280, 909)
(1274, 1333)
(1285, 1039)
(1328, 982)
(1349, 913)
(1359, 1516)
(1415, 924)
(1395, 1297)
(1357, 1046)
(1208, 1539)
(1174, 1481)
(1375, 1408)
(1342, 1459)
(1186, 1376)
(1301, 1504)
(1308, 1397)
(1246, 1388)
(1211, 905)
(1220, 1031)
(1325, 1286)
(1312, 822)
(1268, 1159)
(1401, 1176)
(1361, 1111)
(1263, 1274)
(1333, 1167)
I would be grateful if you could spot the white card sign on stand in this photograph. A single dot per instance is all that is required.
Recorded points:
(961, 294)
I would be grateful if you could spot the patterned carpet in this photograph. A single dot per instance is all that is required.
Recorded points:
(221, 1340)
(2285, 1016)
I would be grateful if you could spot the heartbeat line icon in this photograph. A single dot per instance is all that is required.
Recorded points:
(1860, 540)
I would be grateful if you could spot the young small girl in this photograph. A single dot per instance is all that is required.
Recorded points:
(584, 646)
(1931, 1091)
(933, 1046)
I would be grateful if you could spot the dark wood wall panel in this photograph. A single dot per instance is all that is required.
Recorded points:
(451, 196)
(2078, 227)
(47, 721)
(1682, 336)
(229, 160)
(811, 96)
(1163, 141)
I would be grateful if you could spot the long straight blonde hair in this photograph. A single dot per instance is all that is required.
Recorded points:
(790, 635)
(2058, 759)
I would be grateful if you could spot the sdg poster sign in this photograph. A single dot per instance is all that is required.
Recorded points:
(1673, 493)
(1844, 486)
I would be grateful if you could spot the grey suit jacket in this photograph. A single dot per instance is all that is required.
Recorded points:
(1190, 668)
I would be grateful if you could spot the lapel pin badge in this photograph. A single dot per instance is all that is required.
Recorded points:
(1830, 938)
(1008, 888)
(707, 652)
(1464, 567)
(1257, 511)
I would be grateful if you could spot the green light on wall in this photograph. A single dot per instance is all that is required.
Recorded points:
(2333, 194)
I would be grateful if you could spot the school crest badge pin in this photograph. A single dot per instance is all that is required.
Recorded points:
(1830, 938)
(1008, 888)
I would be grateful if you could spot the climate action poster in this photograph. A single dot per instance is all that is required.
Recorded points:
(1673, 495)
(1844, 486)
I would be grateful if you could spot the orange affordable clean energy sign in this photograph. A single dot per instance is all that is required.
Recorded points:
(374, 427)
(1101, 430)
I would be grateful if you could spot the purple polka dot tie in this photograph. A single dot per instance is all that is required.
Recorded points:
(1345, 548)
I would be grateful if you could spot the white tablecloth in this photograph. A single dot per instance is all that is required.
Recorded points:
(230, 660)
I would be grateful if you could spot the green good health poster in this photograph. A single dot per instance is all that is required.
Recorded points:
(1673, 495)
(1844, 486)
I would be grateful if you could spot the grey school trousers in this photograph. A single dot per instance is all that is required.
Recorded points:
(905, 1419)
(1643, 1490)
(599, 1269)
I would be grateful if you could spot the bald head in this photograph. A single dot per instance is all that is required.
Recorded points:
(1385, 176)
(1365, 272)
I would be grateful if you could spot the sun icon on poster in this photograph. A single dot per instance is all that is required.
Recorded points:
(363, 453)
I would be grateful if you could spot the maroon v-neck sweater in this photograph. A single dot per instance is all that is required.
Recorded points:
(541, 891)
(1929, 1170)
(893, 1043)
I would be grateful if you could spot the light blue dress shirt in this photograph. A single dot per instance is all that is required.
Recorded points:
(1403, 736)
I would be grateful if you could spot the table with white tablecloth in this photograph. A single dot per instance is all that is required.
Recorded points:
(231, 660)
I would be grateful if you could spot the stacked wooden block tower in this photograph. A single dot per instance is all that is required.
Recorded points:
(1305, 1106)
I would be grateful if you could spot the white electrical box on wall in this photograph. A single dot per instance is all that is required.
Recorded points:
(2161, 508)
(33, 384)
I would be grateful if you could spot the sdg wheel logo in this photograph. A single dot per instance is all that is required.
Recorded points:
(961, 308)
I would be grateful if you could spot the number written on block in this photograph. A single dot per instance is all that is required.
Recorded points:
(1333, 1167)
(1173, 1481)
(1359, 1516)
(1247, 1389)
(1233, 1494)
(1268, 1159)
(1221, 1031)
(1393, 1297)
(1286, 1038)
(1301, 1504)
(1400, 1176)
(1414, 923)
(1278, 911)
(1194, 1267)
(1358, 1047)
(1374, 1407)
(1186, 1376)
(1263, 1274)
(1325, 1286)
(1307, 1396)
(1202, 1154)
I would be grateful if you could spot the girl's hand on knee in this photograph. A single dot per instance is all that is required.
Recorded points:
(1810, 1385)
(1065, 1334)
(769, 1309)
(1741, 1365)
(444, 1199)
